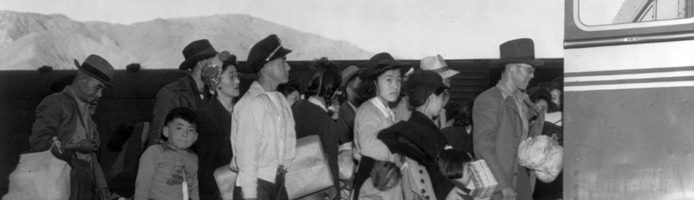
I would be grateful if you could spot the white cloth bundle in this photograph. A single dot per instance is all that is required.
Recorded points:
(543, 155)
(40, 176)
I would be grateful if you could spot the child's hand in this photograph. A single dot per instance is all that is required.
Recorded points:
(508, 193)
(456, 194)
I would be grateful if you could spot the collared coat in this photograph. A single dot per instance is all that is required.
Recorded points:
(497, 133)
(213, 146)
(182, 93)
(345, 122)
(419, 139)
(57, 115)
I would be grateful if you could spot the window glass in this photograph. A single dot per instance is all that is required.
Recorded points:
(601, 12)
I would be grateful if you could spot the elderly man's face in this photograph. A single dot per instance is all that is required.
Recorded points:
(90, 89)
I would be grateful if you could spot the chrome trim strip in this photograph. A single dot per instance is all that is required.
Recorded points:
(628, 40)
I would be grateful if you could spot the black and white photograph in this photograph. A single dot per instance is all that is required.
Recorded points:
(346, 100)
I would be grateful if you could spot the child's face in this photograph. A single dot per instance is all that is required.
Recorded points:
(466, 175)
(181, 134)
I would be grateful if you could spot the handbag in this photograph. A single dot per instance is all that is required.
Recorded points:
(482, 182)
(309, 171)
(40, 176)
(226, 181)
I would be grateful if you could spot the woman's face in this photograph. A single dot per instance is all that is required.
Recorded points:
(542, 105)
(556, 96)
(388, 85)
(229, 83)
(293, 97)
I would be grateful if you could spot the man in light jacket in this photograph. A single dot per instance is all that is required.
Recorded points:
(263, 136)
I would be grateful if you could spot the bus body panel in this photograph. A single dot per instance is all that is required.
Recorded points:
(628, 109)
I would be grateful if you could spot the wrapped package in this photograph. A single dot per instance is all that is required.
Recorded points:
(543, 155)
(482, 182)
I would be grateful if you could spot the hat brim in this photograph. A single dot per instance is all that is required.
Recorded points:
(533, 62)
(389, 64)
(350, 76)
(403, 66)
(193, 60)
(280, 53)
(449, 73)
(107, 83)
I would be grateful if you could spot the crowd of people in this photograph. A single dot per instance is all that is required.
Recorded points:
(388, 130)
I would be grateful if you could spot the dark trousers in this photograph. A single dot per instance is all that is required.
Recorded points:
(81, 180)
(267, 190)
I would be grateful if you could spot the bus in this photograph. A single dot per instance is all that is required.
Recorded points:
(629, 99)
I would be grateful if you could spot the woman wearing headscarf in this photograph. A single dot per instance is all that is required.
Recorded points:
(382, 80)
(213, 146)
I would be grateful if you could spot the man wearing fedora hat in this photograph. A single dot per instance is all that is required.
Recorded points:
(263, 136)
(503, 116)
(66, 116)
(348, 109)
(187, 92)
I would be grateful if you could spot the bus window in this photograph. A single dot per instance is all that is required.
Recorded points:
(600, 12)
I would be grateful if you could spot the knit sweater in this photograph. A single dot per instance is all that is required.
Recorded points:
(162, 172)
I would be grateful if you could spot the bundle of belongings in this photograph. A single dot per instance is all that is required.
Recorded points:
(40, 176)
(543, 155)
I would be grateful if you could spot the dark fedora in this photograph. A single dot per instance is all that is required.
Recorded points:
(266, 50)
(519, 51)
(382, 60)
(196, 51)
(97, 67)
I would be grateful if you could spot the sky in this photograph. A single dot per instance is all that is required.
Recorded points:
(409, 29)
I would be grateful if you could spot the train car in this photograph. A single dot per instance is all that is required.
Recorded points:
(629, 99)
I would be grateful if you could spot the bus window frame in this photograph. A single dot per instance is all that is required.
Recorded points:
(630, 25)
(579, 35)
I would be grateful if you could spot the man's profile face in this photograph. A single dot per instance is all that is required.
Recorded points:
(90, 90)
(278, 69)
(522, 74)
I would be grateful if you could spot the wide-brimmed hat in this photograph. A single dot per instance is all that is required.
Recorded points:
(381, 60)
(97, 67)
(519, 51)
(349, 73)
(266, 50)
(438, 65)
(196, 51)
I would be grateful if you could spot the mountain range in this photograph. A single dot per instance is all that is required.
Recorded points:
(29, 41)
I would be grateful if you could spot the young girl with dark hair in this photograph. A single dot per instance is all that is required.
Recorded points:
(381, 85)
(311, 117)
(419, 140)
